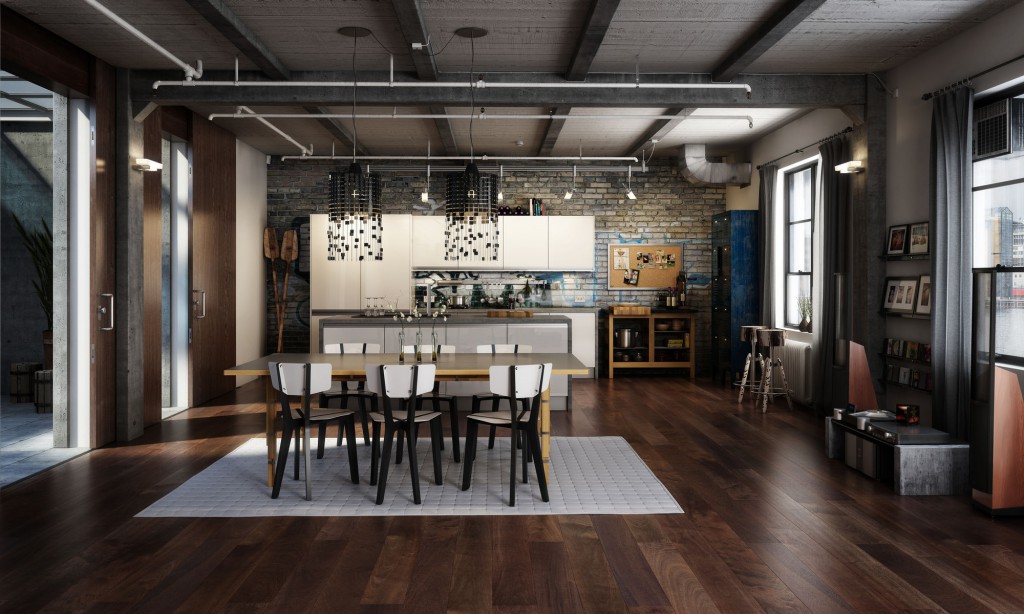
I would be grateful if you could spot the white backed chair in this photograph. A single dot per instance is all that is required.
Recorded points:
(303, 380)
(524, 384)
(436, 398)
(401, 383)
(495, 399)
(343, 391)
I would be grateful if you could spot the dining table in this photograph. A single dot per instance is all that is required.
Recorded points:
(449, 367)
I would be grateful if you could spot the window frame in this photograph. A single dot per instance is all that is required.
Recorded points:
(787, 224)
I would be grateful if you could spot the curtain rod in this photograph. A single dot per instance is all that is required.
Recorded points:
(800, 150)
(968, 80)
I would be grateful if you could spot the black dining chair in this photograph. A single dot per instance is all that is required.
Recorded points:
(342, 392)
(436, 398)
(304, 380)
(523, 385)
(401, 384)
(495, 399)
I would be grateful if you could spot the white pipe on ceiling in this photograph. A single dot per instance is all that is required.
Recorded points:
(470, 158)
(305, 152)
(190, 72)
(480, 84)
(480, 116)
(387, 168)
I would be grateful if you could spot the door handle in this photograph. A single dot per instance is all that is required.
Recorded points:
(200, 303)
(103, 311)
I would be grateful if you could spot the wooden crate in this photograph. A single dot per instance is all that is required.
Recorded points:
(630, 310)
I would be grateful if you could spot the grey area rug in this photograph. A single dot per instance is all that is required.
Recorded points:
(589, 475)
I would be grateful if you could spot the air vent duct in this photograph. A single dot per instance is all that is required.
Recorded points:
(999, 129)
(695, 166)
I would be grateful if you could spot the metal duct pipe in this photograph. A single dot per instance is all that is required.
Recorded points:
(696, 168)
(190, 72)
(305, 152)
(480, 116)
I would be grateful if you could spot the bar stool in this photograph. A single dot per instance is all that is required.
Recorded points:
(749, 380)
(773, 339)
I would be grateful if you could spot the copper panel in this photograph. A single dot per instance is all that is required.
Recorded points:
(862, 390)
(1007, 441)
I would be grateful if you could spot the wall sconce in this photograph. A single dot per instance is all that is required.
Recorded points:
(853, 166)
(145, 164)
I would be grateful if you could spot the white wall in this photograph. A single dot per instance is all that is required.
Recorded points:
(909, 118)
(815, 125)
(250, 283)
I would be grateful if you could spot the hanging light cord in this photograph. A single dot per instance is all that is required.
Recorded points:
(472, 93)
(355, 83)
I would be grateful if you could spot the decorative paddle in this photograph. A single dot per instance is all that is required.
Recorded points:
(270, 252)
(289, 253)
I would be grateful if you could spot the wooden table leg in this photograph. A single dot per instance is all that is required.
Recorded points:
(545, 430)
(271, 430)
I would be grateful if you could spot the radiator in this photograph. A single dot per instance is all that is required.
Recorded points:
(796, 358)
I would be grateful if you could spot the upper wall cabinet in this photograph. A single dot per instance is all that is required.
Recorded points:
(428, 243)
(571, 243)
(343, 284)
(524, 240)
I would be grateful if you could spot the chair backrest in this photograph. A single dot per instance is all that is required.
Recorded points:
(530, 380)
(504, 348)
(426, 349)
(398, 379)
(351, 348)
(289, 377)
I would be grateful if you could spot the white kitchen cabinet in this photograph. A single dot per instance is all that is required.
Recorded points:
(571, 243)
(428, 244)
(391, 278)
(333, 284)
(524, 242)
(549, 338)
(465, 338)
(584, 337)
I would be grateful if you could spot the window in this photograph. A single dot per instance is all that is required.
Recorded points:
(799, 190)
(998, 233)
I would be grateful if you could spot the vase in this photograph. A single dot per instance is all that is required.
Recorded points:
(433, 347)
(804, 326)
(419, 347)
(401, 347)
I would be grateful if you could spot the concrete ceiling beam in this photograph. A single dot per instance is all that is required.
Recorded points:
(764, 38)
(598, 20)
(659, 130)
(245, 40)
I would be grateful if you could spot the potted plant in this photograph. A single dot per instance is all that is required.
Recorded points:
(40, 247)
(805, 305)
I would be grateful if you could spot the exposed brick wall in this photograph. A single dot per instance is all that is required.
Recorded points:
(669, 210)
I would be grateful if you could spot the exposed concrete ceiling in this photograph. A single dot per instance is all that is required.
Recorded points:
(529, 41)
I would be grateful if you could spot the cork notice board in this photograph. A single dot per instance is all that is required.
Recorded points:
(643, 267)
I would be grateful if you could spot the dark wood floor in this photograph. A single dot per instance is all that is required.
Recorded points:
(770, 524)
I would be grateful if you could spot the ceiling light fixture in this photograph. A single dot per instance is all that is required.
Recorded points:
(355, 225)
(425, 194)
(629, 184)
(501, 184)
(853, 166)
(471, 231)
(572, 190)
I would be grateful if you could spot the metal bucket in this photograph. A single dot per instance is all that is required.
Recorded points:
(625, 338)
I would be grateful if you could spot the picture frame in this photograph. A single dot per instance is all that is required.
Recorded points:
(900, 295)
(897, 243)
(923, 306)
(918, 239)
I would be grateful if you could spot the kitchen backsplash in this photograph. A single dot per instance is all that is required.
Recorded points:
(505, 289)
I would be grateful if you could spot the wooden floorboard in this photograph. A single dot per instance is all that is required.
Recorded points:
(770, 525)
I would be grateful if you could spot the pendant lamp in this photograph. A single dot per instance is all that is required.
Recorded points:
(471, 232)
(354, 229)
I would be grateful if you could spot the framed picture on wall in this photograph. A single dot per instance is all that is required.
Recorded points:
(918, 238)
(924, 296)
(900, 294)
(897, 243)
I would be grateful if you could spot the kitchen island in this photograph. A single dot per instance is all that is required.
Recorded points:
(543, 333)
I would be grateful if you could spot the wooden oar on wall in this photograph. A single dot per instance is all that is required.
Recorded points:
(289, 253)
(270, 251)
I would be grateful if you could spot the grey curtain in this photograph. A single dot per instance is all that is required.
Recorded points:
(951, 212)
(827, 240)
(766, 239)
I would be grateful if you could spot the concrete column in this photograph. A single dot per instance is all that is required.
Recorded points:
(128, 299)
(61, 270)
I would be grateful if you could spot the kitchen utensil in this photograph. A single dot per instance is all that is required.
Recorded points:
(459, 300)
(625, 337)
(661, 325)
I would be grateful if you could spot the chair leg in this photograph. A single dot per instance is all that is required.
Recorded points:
(766, 386)
(382, 477)
(512, 466)
(436, 406)
(342, 405)
(375, 454)
(414, 471)
(282, 460)
(746, 373)
(467, 467)
(538, 463)
(436, 439)
(453, 412)
(350, 436)
(401, 446)
(298, 452)
(495, 406)
(321, 437)
(785, 385)
(309, 462)
(365, 420)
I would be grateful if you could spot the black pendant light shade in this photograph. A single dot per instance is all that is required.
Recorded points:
(354, 230)
(471, 215)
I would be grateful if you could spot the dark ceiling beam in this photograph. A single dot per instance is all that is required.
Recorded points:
(598, 20)
(414, 30)
(660, 128)
(225, 21)
(221, 17)
(554, 129)
(767, 91)
(770, 32)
